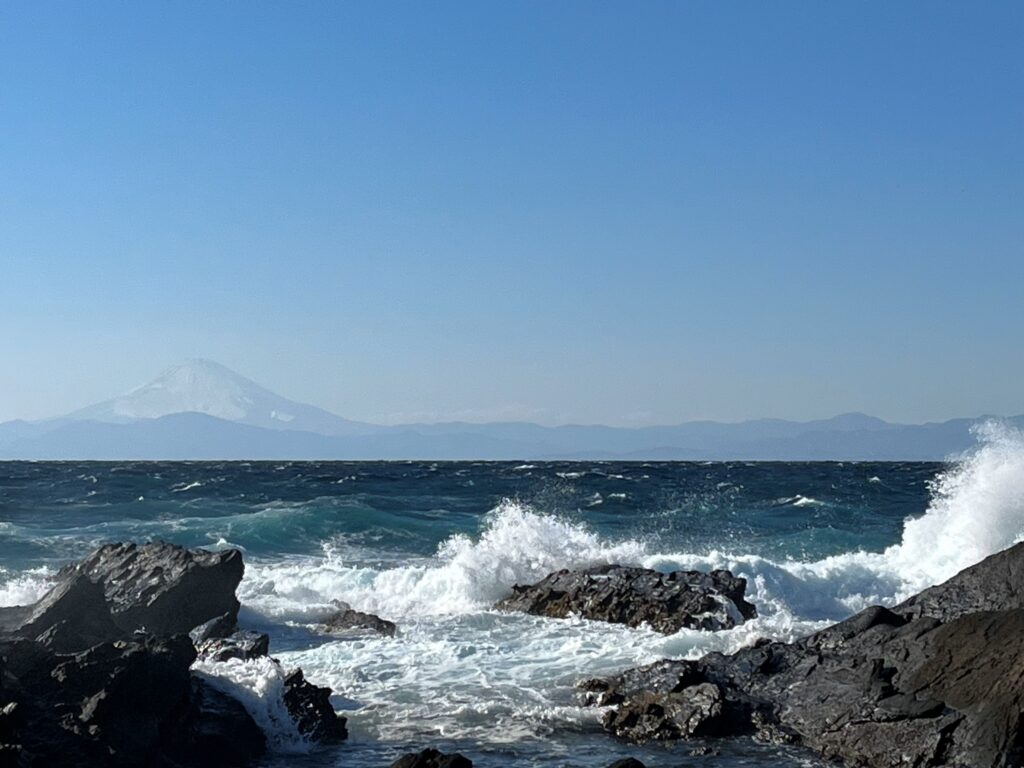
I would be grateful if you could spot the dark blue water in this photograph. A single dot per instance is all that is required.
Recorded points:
(433, 545)
(53, 511)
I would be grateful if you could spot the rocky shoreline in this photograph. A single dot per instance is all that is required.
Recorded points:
(102, 671)
(99, 671)
(935, 681)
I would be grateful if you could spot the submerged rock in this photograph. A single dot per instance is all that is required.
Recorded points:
(936, 681)
(667, 602)
(432, 758)
(350, 621)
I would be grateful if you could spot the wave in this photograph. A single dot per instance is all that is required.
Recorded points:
(24, 587)
(977, 509)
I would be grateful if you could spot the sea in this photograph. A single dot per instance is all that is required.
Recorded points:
(433, 545)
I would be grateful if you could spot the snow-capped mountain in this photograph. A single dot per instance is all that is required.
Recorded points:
(202, 410)
(203, 386)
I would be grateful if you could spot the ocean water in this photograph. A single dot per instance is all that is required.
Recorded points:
(432, 546)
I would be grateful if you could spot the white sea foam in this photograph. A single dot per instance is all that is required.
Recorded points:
(518, 545)
(24, 587)
(977, 509)
(259, 685)
(459, 669)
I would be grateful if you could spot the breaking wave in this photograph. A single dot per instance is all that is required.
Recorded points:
(977, 509)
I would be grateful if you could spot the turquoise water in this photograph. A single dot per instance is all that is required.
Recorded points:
(433, 545)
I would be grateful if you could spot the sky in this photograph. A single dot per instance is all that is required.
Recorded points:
(562, 212)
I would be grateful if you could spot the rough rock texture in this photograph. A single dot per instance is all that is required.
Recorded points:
(217, 627)
(310, 708)
(72, 616)
(243, 644)
(117, 704)
(122, 588)
(936, 681)
(349, 621)
(431, 758)
(81, 683)
(667, 602)
(163, 588)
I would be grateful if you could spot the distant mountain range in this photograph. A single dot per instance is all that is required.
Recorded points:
(202, 410)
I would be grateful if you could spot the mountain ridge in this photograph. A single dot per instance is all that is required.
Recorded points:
(203, 410)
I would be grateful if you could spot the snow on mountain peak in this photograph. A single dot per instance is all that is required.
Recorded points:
(203, 386)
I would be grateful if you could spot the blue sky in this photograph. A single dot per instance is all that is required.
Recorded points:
(590, 212)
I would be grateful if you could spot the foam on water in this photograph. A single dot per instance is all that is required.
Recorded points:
(459, 669)
(518, 545)
(24, 587)
(259, 685)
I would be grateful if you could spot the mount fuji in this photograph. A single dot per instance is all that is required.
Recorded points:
(200, 410)
(203, 386)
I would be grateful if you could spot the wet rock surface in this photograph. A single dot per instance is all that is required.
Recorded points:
(667, 602)
(98, 672)
(432, 758)
(243, 644)
(935, 681)
(310, 708)
(347, 621)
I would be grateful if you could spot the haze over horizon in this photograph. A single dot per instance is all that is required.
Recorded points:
(578, 213)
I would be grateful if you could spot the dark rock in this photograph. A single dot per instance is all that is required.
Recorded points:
(431, 758)
(694, 711)
(163, 588)
(244, 644)
(222, 730)
(310, 708)
(217, 627)
(667, 602)
(71, 617)
(347, 621)
(936, 681)
(124, 588)
(127, 703)
(627, 762)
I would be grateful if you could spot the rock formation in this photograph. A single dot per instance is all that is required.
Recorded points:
(667, 602)
(935, 681)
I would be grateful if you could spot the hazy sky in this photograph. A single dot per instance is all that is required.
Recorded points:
(600, 212)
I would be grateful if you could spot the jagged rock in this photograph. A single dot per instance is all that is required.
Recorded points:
(127, 703)
(71, 617)
(124, 588)
(667, 602)
(348, 621)
(935, 681)
(217, 627)
(162, 588)
(310, 708)
(432, 758)
(694, 711)
(244, 644)
(222, 730)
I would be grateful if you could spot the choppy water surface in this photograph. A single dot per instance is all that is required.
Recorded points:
(433, 545)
